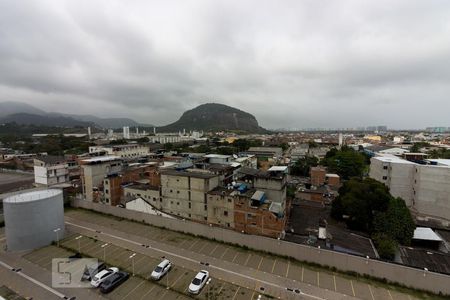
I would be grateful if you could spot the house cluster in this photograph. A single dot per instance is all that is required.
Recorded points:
(218, 190)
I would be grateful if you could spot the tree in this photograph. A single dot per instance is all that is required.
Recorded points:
(367, 205)
(302, 166)
(419, 145)
(396, 222)
(346, 162)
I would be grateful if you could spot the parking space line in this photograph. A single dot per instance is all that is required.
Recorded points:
(260, 262)
(287, 270)
(142, 282)
(353, 289)
(334, 279)
(203, 247)
(318, 279)
(151, 290)
(226, 250)
(390, 296)
(193, 244)
(274, 263)
(215, 248)
(246, 261)
(175, 282)
(235, 257)
(303, 272)
(163, 295)
(370, 290)
(221, 288)
(235, 294)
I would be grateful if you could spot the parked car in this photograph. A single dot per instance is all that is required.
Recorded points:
(198, 282)
(102, 276)
(161, 269)
(92, 270)
(113, 281)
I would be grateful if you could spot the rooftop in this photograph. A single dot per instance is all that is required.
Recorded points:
(100, 159)
(51, 159)
(426, 234)
(32, 196)
(172, 172)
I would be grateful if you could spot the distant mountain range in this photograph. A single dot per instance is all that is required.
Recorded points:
(206, 117)
(215, 117)
(22, 113)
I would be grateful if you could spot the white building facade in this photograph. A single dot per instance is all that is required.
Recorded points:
(425, 188)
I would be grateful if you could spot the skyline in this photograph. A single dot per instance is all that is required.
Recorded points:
(301, 65)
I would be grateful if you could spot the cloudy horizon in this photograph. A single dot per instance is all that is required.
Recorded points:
(302, 64)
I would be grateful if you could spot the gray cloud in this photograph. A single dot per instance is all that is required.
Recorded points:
(292, 63)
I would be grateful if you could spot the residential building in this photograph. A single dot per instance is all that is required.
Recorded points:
(50, 170)
(114, 183)
(128, 151)
(272, 182)
(318, 175)
(184, 192)
(93, 172)
(425, 188)
(265, 152)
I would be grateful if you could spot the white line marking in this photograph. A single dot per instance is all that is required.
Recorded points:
(193, 260)
(46, 287)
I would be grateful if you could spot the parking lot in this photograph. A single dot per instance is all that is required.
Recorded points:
(139, 287)
(266, 263)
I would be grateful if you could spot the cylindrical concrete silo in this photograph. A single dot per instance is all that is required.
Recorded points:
(34, 219)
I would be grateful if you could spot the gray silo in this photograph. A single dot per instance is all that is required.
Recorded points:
(31, 219)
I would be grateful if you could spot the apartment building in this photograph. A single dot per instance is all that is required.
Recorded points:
(93, 172)
(114, 183)
(272, 182)
(424, 187)
(50, 170)
(184, 192)
(247, 211)
(128, 151)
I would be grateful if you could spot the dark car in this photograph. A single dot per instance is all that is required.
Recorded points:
(92, 270)
(75, 256)
(113, 281)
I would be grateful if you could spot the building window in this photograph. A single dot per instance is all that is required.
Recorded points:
(206, 207)
(249, 216)
(384, 177)
(228, 224)
(385, 167)
(171, 202)
(171, 191)
(178, 192)
(189, 215)
(229, 200)
(190, 204)
(205, 218)
(178, 203)
(106, 191)
(225, 213)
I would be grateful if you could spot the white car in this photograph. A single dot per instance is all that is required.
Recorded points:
(198, 282)
(102, 276)
(161, 269)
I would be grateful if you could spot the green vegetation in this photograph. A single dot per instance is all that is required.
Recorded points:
(367, 205)
(346, 162)
(417, 146)
(302, 166)
(439, 153)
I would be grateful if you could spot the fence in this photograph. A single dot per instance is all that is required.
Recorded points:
(407, 276)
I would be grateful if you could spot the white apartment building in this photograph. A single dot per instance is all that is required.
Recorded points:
(425, 188)
(127, 151)
(50, 170)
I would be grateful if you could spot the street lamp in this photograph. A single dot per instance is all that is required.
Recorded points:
(57, 230)
(104, 251)
(132, 261)
(79, 243)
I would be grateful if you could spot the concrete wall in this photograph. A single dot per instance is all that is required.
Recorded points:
(411, 277)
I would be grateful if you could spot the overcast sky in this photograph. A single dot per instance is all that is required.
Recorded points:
(293, 64)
